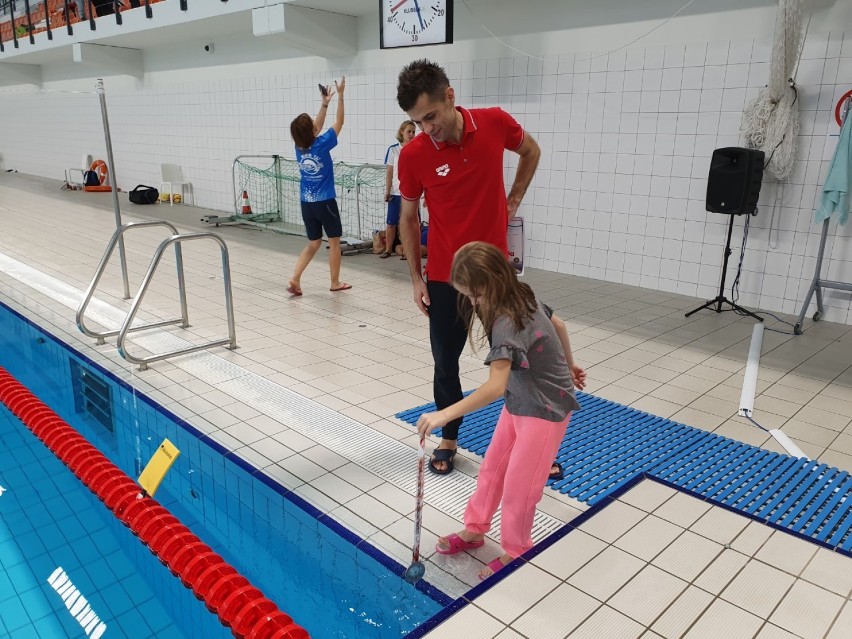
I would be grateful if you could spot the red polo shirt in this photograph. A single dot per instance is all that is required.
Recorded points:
(464, 187)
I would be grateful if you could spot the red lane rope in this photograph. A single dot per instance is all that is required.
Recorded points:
(239, 605)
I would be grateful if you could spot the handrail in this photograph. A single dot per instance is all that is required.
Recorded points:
(87, 297)
(143, 288)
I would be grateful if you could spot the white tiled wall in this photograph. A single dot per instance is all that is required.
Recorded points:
(626, 140)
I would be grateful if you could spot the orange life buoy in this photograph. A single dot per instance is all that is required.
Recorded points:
(100, 169)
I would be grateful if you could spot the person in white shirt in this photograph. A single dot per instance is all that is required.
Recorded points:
(404, 135)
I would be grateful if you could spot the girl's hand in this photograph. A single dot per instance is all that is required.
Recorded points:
(431, 421)
(340, 86)
(578, 376)
(326, 97)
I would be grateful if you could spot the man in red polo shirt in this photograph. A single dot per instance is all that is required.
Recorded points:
(458, 163)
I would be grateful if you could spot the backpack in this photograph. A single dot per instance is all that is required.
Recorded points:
(92, 178)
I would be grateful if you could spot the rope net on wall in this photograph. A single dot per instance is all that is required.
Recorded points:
(771, 122)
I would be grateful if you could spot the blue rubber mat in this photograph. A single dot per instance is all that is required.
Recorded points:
(608, 444)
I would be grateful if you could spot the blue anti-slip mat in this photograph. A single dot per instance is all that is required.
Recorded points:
(608, 444)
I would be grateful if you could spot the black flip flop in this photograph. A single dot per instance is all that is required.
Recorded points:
(442, 455)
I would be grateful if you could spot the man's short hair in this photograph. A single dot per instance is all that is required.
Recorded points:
(419, 77)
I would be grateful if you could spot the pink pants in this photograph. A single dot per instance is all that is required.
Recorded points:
(522, 450)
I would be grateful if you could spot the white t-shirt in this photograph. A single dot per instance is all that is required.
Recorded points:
(392, 159)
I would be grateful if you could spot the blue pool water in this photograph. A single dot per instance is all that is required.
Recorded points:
(330, 581)
(48, 519)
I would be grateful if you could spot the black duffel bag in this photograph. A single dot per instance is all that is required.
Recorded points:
(144, 194)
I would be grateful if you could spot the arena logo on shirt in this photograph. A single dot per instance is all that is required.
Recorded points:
(311, 164)
(443, 170)
(2, 490)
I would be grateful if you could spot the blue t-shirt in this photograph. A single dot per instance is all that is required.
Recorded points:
(315, 167)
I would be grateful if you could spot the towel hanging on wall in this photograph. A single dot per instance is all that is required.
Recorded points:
(836, 199)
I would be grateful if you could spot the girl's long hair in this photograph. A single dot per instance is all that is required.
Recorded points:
(302, 130)
(485, 272)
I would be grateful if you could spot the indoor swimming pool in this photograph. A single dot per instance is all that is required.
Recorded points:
(328, 579)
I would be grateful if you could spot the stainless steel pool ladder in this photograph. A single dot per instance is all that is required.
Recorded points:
(176, 239)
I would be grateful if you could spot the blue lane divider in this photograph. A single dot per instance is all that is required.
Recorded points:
(608, 444)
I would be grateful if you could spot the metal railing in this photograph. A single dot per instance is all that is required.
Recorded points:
(101, 336)
(127, 326)
(23, 19)
(231, 340)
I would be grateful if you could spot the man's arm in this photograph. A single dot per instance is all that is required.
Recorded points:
(409, 229)
(530, 153)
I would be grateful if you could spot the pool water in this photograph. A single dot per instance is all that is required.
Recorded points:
(48, 520)
(330, 581)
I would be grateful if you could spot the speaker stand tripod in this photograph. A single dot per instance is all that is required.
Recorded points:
(716, 303)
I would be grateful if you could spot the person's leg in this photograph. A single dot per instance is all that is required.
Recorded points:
(313, 229)
(330, 216)
(485, 500)
(529, 466)
(334, 261)
(305, 258)
(394, 208)
(447, 335)
(390, 237)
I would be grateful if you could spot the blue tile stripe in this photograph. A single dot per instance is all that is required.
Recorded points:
(607, 445)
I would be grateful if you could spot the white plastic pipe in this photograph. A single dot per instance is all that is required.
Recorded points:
(788, 444)
(752, 368)
(750, 388)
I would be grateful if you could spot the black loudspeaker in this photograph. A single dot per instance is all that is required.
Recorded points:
(734, 182)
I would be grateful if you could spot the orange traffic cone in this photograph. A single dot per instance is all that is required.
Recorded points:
(246, 204)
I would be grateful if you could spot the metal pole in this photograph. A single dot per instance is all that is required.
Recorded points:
(115, 206)
(278, 186)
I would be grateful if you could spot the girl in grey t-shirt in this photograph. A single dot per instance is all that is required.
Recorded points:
(531, 365)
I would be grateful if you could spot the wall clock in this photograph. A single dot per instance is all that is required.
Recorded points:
(414, 23)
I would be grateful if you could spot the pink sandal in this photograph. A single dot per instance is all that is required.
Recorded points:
(494, 565)
(457, 545)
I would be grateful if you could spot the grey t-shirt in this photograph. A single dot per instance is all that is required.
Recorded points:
(540, 382)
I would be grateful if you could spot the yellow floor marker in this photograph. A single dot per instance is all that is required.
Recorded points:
(157, 467)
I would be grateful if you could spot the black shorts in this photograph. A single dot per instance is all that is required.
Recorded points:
(322, 216)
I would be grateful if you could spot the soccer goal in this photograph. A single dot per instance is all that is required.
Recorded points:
(271, 185)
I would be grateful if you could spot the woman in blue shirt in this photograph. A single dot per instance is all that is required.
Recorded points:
(319, 206)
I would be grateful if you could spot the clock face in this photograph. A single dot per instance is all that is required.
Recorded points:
(412, 23)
